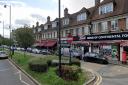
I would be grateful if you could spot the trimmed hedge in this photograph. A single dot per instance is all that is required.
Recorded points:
(70, 72)
(39, 64)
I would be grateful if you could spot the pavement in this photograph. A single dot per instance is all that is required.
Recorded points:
(10, 75)
(111, 74)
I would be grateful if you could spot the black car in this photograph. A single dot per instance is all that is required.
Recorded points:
(95, 57)
(45, 52)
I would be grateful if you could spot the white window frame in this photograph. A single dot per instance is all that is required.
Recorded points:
(54, 24)
(104, 26)
(45, 27)
(39, 29)
(34, 30)
(127, 23)
(95, 28)
(86, 30)
(82, 16)
(115, 28)
(106, 8)
(66, 21)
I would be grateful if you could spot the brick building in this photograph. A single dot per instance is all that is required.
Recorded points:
(102, 28)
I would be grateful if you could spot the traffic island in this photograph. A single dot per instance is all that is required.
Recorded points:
(49, 77)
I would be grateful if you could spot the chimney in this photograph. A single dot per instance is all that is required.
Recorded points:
(37, 23)
(97, 2)
(48, 19)
(65, 12)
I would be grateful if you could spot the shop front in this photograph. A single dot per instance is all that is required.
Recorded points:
(109, 45)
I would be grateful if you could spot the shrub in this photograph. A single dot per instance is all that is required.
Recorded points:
(56, 62)
(75, 62)
(38, 65)
(70, 72)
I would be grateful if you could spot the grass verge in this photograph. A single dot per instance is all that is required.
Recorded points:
(48, 78)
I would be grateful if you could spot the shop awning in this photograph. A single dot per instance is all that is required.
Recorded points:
(124, 43)
(80, 42)
(42, 44)
(50, 43)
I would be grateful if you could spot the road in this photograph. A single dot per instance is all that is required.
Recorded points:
(10, 75)
(111, 74)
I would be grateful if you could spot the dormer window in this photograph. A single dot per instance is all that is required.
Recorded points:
(34, 31)
(65, 21)
(81, 16)
(107, 8)
(53, 24)
(45, 27)
(39, 29)
(49, 26)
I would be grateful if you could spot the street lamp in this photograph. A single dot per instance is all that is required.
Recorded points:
(5, 6)
(3, 35)
(59, 37)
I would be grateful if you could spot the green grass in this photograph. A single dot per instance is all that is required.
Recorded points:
(48, 78)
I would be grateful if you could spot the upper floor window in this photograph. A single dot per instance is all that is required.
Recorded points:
(77, 31)
(103, 26)
(34, 30)
(45, 27)
(94, 28)
(114, 25)
(39, 29)
(71, 31)
(49, 26)
(126, 23)
(65, 21)
(54, 24)
(106, 8)
(86, 30)
(81, 16)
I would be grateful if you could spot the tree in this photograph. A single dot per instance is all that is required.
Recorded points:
(24, 37)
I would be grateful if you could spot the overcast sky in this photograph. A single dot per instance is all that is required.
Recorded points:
(30, 11)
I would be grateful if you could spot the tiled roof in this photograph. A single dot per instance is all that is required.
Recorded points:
(120, 7)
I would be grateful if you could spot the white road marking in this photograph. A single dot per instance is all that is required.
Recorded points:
(4, 70)
(19, 72)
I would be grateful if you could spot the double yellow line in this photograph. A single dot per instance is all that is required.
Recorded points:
(99, 79)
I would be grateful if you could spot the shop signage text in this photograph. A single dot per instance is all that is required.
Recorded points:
(114, 36)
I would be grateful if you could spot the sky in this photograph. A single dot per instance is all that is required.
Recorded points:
(30, 11)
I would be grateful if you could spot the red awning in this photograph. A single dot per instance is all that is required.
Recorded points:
(50, 43)
(80, 42)
(124, 43)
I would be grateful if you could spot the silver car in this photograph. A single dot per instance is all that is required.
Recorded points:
(3, 55)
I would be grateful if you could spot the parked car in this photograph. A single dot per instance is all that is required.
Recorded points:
(3, 55)
(29, 49)
(37, 51)
(95, 57)
(45, 52)
(74, 53)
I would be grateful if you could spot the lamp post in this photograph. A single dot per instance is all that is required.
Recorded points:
(3, 35)
(59, 37)
(5, 6)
